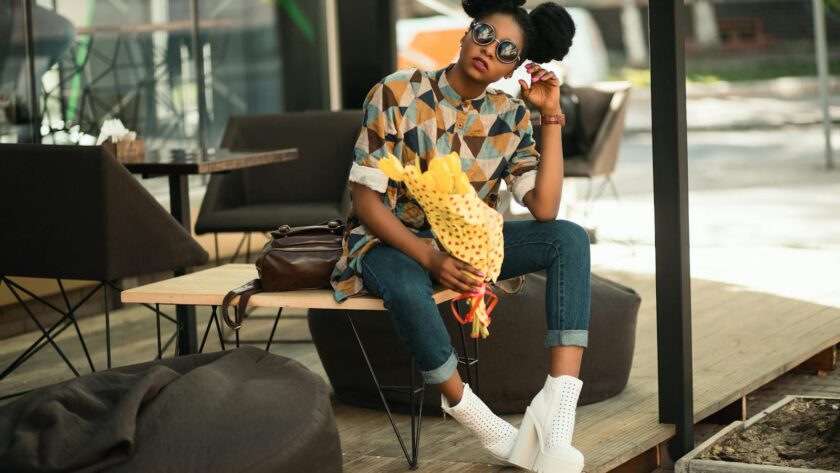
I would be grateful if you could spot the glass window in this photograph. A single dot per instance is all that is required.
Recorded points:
(135, 61)
(15, 114)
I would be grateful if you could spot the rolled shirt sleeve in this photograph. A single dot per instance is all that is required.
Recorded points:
(521, 172)
(380, 135)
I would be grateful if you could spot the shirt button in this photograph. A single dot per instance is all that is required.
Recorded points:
(458, 125)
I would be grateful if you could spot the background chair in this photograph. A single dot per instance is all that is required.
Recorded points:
(75, 212)
(603, 109)
(309, 190)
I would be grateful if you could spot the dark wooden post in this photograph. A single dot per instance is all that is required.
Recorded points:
(670, 196)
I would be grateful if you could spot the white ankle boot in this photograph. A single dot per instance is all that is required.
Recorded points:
(494, 433)
(544, 443)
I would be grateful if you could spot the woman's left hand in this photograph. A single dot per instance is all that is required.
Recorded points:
(544, 92)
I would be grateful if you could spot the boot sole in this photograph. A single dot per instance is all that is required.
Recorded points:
(528, 450)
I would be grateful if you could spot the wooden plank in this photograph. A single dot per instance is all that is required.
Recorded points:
(209, 287)
(729, 385)
(743, 330)
(765, 357)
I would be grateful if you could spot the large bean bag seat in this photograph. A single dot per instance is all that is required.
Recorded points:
(513, 360)
(242, 410)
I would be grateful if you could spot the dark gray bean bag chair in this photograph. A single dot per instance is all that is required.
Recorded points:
(241, 410)
(513, 359)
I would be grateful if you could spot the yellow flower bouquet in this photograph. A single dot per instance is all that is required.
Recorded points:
(468, 228)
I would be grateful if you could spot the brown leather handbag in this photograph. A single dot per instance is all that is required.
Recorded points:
(295, 258)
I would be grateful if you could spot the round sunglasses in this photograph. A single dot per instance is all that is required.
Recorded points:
(484, 33)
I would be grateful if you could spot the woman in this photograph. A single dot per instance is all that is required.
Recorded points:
(389, 248)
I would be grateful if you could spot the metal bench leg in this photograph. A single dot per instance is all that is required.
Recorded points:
(269, 341)
(107, 326)
(236, 313)
(416, 421)
(414, 392)
(213, 320)
(207, 330)
(172, 338)
(219, 328)
(273, 329)
(158, 315)
(466, 359)
(157, 321)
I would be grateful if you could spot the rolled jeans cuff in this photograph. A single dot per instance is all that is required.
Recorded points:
(578, 338)
(442, 372)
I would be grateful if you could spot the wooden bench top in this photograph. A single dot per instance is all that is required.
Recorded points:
(209, 287)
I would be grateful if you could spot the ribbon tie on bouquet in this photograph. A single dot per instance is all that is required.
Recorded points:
(478, 309)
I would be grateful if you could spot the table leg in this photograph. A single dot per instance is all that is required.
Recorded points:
(179, 204)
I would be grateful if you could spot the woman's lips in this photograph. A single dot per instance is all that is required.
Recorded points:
(480, 64)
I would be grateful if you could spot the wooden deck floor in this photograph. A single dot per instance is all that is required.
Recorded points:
(742, 340)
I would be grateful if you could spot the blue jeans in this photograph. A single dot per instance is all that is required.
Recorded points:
(560, 247)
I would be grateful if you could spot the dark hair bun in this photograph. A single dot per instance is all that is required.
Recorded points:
(554, 32)
(477, 8)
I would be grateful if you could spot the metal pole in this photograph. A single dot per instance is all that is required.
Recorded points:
(179, 203)
(670, 199)
(822, 73)
(32, 89)
(333, 54)
(198, 56)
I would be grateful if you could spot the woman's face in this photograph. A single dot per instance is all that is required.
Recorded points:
(472, 54)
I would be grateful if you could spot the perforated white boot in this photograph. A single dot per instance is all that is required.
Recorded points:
(494, 433)
(544, 443)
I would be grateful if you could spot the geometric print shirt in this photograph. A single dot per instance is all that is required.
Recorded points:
(416, 115)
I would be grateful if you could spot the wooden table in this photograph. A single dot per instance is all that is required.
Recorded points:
(208, 288)
(178, 166)
(180, 162)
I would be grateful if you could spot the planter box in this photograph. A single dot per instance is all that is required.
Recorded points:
(691, 463)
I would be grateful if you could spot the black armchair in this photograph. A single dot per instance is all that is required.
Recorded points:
(75, 212)
(302, 192)
(602, 109)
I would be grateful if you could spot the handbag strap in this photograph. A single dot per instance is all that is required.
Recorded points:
(244, 292)
(335, 226)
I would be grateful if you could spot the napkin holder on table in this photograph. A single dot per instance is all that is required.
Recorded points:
(127, 151)
(122, 143)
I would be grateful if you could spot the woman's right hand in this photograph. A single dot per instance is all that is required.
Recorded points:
(451, 272)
